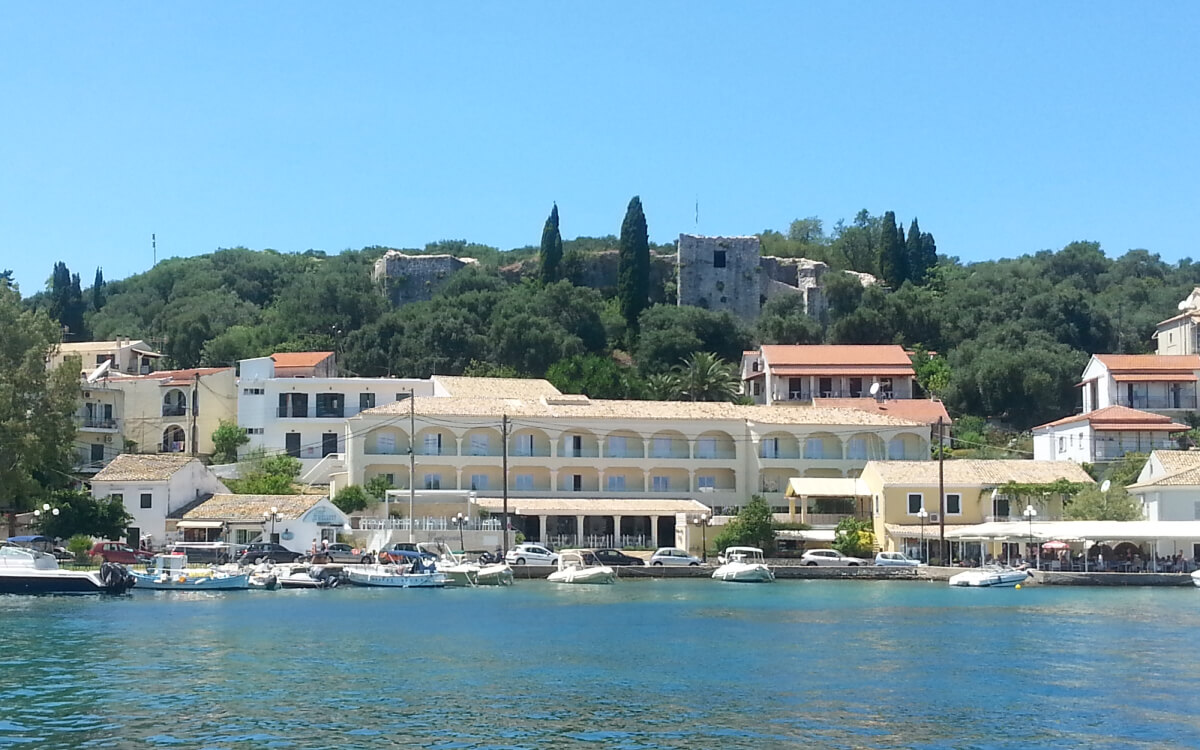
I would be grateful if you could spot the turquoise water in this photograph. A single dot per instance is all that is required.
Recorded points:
(643, 664)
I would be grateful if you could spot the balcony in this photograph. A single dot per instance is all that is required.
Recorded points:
(292, 412)
(330, 412)
(173, 410)
(98, 423)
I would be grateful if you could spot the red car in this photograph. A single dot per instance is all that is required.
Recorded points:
(120, 552)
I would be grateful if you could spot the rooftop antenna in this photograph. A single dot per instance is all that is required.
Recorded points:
(154, 248)
(875, 392)
(697, 212)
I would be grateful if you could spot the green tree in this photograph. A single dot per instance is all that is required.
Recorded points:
(264, 474)
(37, 405)
(933, 372)
(670, 334)
(1091, 504)
(80, 513)
(854, 538)
(351, 499)
(1125, 471)
(753, 526)
(633, 266)
(227, 438)
(705, 377)
(663, 386)
(377, 486)
(98, 290)
(595, 376)
(66, 302)
(552, 248)
(893, 258)
(784, 320)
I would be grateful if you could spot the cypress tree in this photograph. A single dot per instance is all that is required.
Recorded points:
(633, 266)
(916, 254)
(98, 290)
(929, 257)
(551, 254)
(893, 261)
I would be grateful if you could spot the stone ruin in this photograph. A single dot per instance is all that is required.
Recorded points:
(412, 278)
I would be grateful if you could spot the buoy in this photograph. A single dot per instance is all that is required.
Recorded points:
(1018, 585)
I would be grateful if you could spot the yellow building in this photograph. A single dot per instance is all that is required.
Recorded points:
(569, 448)
(900, 490)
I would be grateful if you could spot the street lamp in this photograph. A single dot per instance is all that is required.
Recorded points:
(923, 514)
(272, 516)
(703, 522)
(1030, 513)
(460, 521)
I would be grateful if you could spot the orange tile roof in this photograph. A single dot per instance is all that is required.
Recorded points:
(1148, 363)
(1119, 417)
(300, 359)
(922, 410)
(833, 355)
(182, 376)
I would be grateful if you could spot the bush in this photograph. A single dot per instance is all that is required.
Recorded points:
(80, 546)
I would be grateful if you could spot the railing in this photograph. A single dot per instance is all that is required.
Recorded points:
(173, 410)
(292, 411)
(99, 423)
(832, 519)
(428, 523)
(1041, 516)
(1183, 402)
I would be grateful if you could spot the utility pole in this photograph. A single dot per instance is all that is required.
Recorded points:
(504, 482)
(412, 460)
(941, 494)
(194, 436)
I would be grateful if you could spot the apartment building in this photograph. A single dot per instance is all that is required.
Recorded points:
(775, 374)
(123, 355)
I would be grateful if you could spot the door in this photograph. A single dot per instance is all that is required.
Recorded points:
(328, 443)
(133, 535)
(291, 441)
(97, 453)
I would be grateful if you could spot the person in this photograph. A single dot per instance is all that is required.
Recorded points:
(325, 545)
(313, 549)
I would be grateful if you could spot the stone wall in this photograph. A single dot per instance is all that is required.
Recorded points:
(410, 278)
(721, 274)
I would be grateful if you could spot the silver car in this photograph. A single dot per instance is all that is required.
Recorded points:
(896, 560)
(673, 556)
(829, 557)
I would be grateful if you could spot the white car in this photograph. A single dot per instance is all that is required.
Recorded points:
(896, 560)
(528, 553)
(673, 556)
(829, 557)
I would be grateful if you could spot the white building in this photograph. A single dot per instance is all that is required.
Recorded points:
(1169, 488)
(294, 521)
(1160, 383)
(1104, 435)
(798, 374)
(153, 487)
(1181, 334)
(123, 355)
(292, 402)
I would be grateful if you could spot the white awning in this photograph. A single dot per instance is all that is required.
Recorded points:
(827, 487)
(200, 524)
(1067, 531)
(807, 535)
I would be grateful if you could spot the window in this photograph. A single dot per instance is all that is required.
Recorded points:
(825, 386)
(120, 498)
(1196, 510)
(97, 452)
(706, 482)
(857, 448)
(433, 481)
(661, 484)
(524, 445)
(616, 482)
(706, 447)
(479, 481)
(385, 443)
(576, 448)
(433, 444)
(1061, 443)
(770, 448)
(252, 391)
(617, 447)
(524, 481)
(756, 389)
(480, 445)
(576, 482)
(390, 479)
(662, 447)
(331, 405)
(254, 430)
(916, 501)
(856, 389)
(366, 401)
(718, 258)
(795, 388)
(814, 448)
(953, 504)
(147, 500)
(245, 536)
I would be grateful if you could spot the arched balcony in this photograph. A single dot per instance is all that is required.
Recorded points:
(778, 445)
(669, 444)
(396, 476)
(715, 480)
(907, 447)
(436, 441)
(578, 444)
(662, 479)
(715, 444)
(529, 442)
(623, 444)
(582, 479)
(386, 441)
(482, 441)
(174, 439)
(623, 479)
(822, 445)
(174, 403)
(865, 446)
(482, 478)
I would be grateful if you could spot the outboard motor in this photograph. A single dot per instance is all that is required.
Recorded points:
(115, 578)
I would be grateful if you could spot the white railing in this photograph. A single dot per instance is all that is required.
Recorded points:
(429, 523)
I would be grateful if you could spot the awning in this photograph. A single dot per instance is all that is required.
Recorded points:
(548, 506)
(853, 371)
(807, 535)
(200, 524)
(1094, 531)
(827, 487)
(1154, 377)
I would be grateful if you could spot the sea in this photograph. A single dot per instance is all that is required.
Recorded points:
(640, 665)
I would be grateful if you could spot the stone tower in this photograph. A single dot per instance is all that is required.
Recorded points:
(721, 273)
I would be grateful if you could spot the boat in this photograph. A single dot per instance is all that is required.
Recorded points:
(1196, 578)
(581, 566)
(743, 565)
(460, 572)
(170, 572)
(307, 576)
(420, 572)
(29, 571)
(994, 576)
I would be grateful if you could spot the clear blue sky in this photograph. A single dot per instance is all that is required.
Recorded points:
(1007, 129)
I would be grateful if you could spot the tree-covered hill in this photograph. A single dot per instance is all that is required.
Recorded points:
(1012, 336)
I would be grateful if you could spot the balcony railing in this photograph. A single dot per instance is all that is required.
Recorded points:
(99, 423)
(1160, 402)
(292, 412)
(173, 410)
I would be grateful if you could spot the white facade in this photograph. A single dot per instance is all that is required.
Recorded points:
(1150, 382)
(795, 374)
(150, 502)
(1169, 488)
(306, 417)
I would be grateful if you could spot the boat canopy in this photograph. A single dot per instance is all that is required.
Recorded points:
(29, 539)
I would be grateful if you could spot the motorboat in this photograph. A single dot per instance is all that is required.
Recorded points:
(460, 572)
(1196, 578)
(743, 565)
(306, 576)
(995, 576)
(29, 571)
(581, 566)
(419, 572)
(170, 572)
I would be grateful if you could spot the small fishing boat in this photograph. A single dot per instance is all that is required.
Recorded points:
(743, 565)
(29, 571)
(991, 576)
(581, 566)
(460, 572)
(170, 572)
(310, 576)
(420, 572)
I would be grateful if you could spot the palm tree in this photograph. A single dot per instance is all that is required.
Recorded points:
(706, 377)
(663, 386)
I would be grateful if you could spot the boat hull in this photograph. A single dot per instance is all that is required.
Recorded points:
(191, 583)
(743, 573)
(56, 582)
(1196, 578)
(368, 575)
(989, 579)
(599, 574)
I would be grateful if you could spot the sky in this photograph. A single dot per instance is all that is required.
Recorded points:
(1007, 128)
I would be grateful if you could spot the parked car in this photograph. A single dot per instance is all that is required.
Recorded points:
(267, 552)
(344, 553)
(673, 556)
(120, 552)
(829, 557)
(896, 560)
(528, 553)
(617, 557)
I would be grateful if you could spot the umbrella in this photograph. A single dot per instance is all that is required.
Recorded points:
(1056, 545)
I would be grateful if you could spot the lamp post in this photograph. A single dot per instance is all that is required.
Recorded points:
(271, 516)
(460, 521)
(703, 522)
(1030, 513)
(923, 514)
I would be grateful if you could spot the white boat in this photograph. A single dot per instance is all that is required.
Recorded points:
(307, 576)
(460, 572)
(997, 576)
(581, 566)
(1196, 578)
(28, 571)
(743, 565)
(170, 572)
(419, 573)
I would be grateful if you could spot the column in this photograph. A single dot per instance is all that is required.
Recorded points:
(803, 509)
(554, 480)
(654, 531)
(791, 507)
(542, 529)
(616, 531)
(578, 531)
